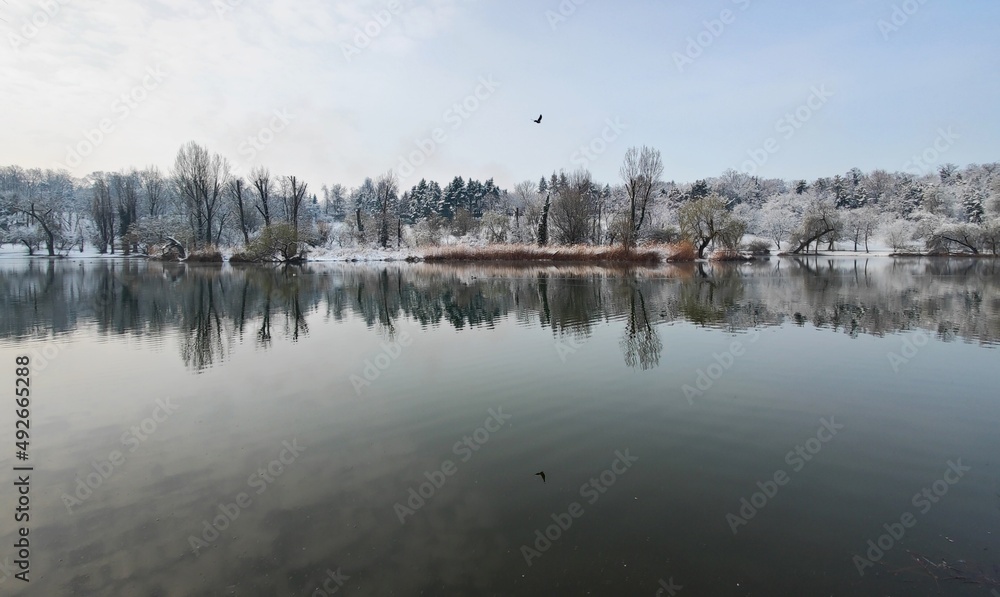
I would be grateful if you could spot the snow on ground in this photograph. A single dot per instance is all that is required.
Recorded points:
(12, 251)
(363, 254)
(877, 248)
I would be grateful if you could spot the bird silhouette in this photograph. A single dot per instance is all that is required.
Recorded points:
(539, 121)
(542, 475)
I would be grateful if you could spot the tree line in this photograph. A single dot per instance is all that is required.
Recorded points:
(201, 202)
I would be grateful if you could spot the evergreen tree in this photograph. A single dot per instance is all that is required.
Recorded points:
(912, 197)
(491, 196)
(801, 187)
(452, 198)
(543, 186)
(973, 204)
(433, 200)
(474, 197)
(543, 224)
(699, 190)
(364, 197)
(407, 208)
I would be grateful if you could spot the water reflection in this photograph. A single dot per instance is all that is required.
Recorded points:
(216, 308)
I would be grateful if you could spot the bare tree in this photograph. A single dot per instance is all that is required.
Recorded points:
(103, 211)
(44, 203)
(525, 202)
(641, 172)
(294, 193)
(240, 199)
(260, 179)
(860, 223)
(201, 181)
(821, 220)
(125, 186)
(386, 199)
(154, 190)
(706, 220)
(572, 209)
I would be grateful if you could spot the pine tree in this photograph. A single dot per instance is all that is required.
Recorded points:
(364, 197)
(543, 186)
(973, 204)
(433, 200)
(801, 187)
(700, 189)
(543, 225)
(839, 193)
(452, 198)
(474, 197)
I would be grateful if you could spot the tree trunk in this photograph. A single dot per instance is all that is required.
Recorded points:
(805, 243)
(173, 243)
(701, 248)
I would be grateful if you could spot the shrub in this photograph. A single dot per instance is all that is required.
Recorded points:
(682, 251)
(665, 235)
(209, 254)
(277, 242)
(531, 253)
(759, 247)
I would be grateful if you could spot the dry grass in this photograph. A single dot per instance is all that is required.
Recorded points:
(209, 254)
(240, 257)
(517, 253)
(682, 251)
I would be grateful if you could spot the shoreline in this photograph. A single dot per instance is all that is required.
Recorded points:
(507, 261)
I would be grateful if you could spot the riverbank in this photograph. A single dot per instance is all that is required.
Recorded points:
(645, 255)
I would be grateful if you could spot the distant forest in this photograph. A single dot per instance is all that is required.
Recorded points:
(201, 203)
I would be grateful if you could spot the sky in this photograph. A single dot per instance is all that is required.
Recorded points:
(334, 91)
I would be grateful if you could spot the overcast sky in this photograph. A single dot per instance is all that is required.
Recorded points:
(441, 88)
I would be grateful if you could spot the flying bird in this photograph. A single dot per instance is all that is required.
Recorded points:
(542, 475)
(539, 121)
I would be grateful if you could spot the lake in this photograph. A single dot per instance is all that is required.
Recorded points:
(795, 426)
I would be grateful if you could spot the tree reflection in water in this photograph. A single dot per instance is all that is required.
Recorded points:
(213, 308)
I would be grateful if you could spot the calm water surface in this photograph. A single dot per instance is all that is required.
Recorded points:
(731, 430)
